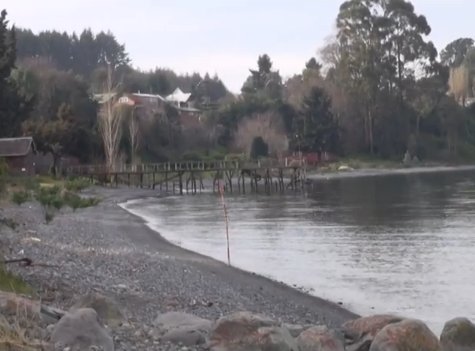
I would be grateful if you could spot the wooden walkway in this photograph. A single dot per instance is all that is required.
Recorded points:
(188, 176)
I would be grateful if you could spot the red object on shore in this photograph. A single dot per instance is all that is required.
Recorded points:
(221, 193)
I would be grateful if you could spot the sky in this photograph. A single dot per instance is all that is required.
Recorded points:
(221, 36)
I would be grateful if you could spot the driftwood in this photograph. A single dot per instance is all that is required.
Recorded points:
(27, 262)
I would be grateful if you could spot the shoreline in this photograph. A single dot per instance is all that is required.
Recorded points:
(111, 251)
(333, 313)
(375, 172)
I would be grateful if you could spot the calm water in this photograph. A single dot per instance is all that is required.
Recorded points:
(402, 244)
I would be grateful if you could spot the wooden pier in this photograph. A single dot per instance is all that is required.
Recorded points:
(189, 177)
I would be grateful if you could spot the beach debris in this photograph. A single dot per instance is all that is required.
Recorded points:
(83, 329)
(407, 335)
(321, 338)
(458, 335)
(106, 308)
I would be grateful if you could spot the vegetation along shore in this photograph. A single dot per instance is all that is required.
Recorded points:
(77, 272)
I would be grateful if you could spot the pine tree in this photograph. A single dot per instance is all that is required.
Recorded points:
(13, 109)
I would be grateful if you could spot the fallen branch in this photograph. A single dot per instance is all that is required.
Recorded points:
(28, 262)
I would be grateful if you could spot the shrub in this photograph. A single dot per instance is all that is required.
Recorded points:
(191, 156)
(259, 148)
(20, 197)
(77, 184)
(48, 196)
(235, 157)
(75, 201)
(48, 216)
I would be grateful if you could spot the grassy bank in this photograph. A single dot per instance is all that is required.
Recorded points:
(374, 163)
(52, 194)
(11, 283)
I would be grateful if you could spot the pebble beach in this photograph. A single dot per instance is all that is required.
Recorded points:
(110, 251)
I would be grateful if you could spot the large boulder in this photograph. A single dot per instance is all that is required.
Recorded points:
(359, 333)
(183, 328)
(186, 336)
(321, 338)
(82, 329)
(246, 331)
(105, 307)
(407, 335)
(458, 335)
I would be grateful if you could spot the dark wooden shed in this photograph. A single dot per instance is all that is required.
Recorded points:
(19, 154)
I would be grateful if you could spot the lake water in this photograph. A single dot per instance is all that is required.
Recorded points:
(401, 244)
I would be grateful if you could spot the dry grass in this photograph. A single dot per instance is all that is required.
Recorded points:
(21, 333)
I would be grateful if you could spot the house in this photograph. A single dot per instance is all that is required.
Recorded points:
(153, 104)
(19, 154)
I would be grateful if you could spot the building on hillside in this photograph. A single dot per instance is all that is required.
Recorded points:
(20, 155)
(103, 98)
(180, 99)
(150, 104)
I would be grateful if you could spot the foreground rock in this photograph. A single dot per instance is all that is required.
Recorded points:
(321, 338)
(407, 335)
(359, 333)
(82, 329)
(458, 335)
(245, 331)
(181, 328)
(105, 307)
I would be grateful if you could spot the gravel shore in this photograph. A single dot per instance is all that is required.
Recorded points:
(109, 250)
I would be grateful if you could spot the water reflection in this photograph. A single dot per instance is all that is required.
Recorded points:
(401, 243)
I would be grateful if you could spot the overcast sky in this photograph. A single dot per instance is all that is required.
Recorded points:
(222, 36)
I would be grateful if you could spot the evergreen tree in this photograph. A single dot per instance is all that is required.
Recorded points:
(13, 108)
(318, 131)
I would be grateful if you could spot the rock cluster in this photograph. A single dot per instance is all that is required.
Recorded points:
(95, 322)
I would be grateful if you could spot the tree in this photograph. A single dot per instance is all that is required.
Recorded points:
(82, 53)
(264, 80)
(259, 148)
(52, 136)
(454, 53)
(268, 126)
(133, 134)
(47, 89)
(318, 131)
(110, 122)
(13, 107)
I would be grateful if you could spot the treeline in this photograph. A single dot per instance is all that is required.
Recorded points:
(378, 88)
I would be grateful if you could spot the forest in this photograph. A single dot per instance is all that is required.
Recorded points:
(377, 88)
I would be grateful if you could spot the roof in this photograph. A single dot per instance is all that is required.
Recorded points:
(178, 96)
(10, 147)
(187, 109)
(103, 98)
(155, 96)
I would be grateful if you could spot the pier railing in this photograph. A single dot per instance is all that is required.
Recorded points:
(185, 166)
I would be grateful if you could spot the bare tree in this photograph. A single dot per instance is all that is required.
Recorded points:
(134, 134)
(110, 121)
(459, 83)
(268, 126)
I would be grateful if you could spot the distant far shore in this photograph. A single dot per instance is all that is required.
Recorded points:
(369, 172)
